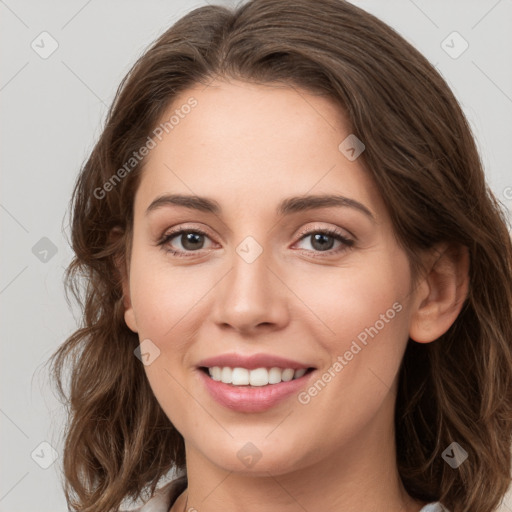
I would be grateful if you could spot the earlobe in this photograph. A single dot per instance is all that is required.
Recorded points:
(120, 263)
(129, 318)
(129, 314)
(441, 295)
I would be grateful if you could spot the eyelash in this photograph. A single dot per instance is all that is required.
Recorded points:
(334, 233)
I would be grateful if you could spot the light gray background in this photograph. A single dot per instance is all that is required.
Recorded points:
(52, 112)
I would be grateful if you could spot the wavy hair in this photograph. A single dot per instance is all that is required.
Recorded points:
(422, 156)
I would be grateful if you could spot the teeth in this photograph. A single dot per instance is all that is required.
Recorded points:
(274, 375)
(215, 373)
(239, 377)
(256, 377)
(299, 373)
(226, 375)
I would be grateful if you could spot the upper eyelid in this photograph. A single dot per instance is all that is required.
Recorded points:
(335, 231)
(179, 230)
(304, 233)
(301, 232)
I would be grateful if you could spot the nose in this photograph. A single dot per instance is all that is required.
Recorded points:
(252, 297)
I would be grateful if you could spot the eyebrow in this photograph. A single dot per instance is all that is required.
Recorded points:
(286, 207)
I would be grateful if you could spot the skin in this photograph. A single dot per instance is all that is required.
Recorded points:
(249, 147)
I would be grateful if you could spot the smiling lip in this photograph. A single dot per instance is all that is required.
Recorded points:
(248, 398)
(252, 399)
(252, 362)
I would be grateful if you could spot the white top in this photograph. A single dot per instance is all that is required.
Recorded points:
(165, 497)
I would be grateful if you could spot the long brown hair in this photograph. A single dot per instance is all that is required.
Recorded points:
(422, 156)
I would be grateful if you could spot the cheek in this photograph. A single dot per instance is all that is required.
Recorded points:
(349, 300)
(369, 318)
(365, 308)
(166, 302)
(162, 296)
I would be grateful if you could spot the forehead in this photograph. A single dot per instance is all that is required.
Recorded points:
(255, 144)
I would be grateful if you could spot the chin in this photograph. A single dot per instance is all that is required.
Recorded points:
(257, 458)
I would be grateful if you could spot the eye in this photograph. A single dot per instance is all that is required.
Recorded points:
(191, 240)
(323, 240)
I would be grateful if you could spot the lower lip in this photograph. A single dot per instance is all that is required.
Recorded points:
(252, 399)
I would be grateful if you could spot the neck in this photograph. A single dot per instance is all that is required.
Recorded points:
(360, 474)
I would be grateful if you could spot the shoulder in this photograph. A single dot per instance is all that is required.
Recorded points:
(164, 497)
(434, 507)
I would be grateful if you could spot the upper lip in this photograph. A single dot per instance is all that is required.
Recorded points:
(251, 362)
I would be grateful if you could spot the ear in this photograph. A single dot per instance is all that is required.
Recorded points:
(441, 295)
(122, 264)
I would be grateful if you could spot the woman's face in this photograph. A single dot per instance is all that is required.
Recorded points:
(284, 258)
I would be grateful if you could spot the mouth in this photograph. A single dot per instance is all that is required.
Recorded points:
(256, 377)
(253, 383)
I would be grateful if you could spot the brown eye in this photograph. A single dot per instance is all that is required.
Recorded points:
(325, 239)
(191, 240)
(183, 241)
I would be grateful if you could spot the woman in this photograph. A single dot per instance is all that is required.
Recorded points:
(298, 284)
